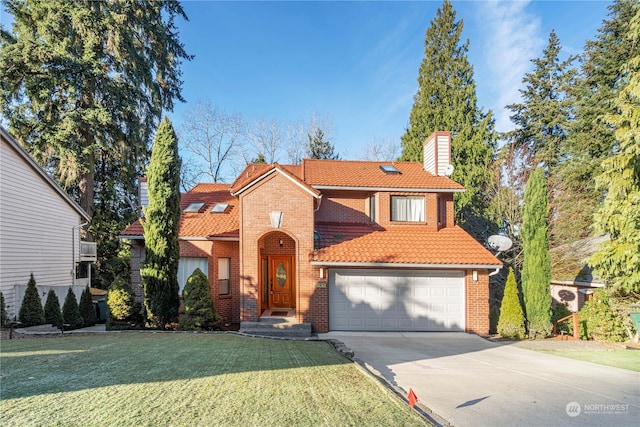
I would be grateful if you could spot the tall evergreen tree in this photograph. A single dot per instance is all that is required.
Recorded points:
(543, 117)
(319, 148)
(84, 83)
(4, 317)
(161, 225)
(536, 268)
(52, 313)
(590, 138)
(618, 260)
(31, 312)
(446, 100)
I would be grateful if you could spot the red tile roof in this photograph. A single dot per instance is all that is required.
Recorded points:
(348, 173)
(351, 173)
(402, 245)
(203, 223)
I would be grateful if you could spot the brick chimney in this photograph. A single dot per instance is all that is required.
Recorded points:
(437, 153)
(143, 197)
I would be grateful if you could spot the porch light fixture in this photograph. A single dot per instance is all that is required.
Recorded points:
(276, 218)
(474, 275)
(322, 272)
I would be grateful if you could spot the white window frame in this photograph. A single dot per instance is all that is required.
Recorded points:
(187, 266)
(224, 276)
(408, 208)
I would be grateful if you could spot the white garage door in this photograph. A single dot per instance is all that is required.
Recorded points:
(388, 300)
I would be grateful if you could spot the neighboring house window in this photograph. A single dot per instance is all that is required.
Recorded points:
(407, 208)
(187, 266)
(224, 273)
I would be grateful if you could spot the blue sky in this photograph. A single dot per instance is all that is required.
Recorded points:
(355, 63)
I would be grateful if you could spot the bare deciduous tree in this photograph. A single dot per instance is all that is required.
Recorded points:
(382, 150)
(214, 138)
(267, 139)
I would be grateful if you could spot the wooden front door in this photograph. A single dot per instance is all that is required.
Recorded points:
(281, 287)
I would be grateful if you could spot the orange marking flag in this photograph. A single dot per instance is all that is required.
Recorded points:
(413, 399)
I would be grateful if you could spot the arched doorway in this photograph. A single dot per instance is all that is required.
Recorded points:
(278, 271)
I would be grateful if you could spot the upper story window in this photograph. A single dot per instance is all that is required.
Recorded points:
(372, 208)
(407, 208)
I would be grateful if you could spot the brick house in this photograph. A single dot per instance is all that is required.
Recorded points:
(345, 245)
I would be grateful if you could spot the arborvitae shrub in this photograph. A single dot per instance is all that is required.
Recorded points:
(71, 312)
(199, 312)
(52, 313)
(598, 321)
(4, 318)
(121, 303)
(511, 321)
(86, 308)
(31, 312)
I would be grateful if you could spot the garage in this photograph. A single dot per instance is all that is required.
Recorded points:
(392, 300)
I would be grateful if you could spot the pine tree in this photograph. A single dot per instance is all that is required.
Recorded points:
(590, 139)
(318, 148)
(446, 100)
(31, 312)
(536, 268)
(52, 313)
(161, 226)
(70, 312)
(86, 308)
(4, 318)
(618, 260)
(82, 90)
(511, 321)
(199, 311)
(542, 118)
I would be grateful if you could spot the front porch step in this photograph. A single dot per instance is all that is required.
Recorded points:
(276, 327)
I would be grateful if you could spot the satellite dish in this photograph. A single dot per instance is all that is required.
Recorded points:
(448, 170)
(499, 243)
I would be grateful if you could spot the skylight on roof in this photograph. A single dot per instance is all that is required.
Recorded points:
(389, 169)
(194, 207)
(219, 207)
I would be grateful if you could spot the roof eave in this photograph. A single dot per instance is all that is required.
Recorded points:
(404, 265)
(402, 189)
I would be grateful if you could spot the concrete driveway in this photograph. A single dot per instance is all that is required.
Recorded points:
(469, 381)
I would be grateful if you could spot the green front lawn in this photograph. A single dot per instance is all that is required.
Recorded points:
(624, 359)
(188, 380)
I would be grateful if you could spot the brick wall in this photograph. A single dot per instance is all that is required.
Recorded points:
(257, 238)
(477, 298)
(344, 206)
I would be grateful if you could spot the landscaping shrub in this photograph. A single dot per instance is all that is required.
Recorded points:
(494, 316)
(511, 321)
(598, 321)
(199, 311)
(52, 313)
(86, 308)
(71, 312)
(558, 311)
(31, 312)
(3, 314)
(122, 306)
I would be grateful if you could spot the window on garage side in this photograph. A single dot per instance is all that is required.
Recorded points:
(224, 274)
(407, 208)
(187, 266)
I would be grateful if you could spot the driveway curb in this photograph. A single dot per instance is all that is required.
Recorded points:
(420, 408)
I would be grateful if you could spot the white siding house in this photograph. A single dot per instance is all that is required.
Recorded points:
(39, 229)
